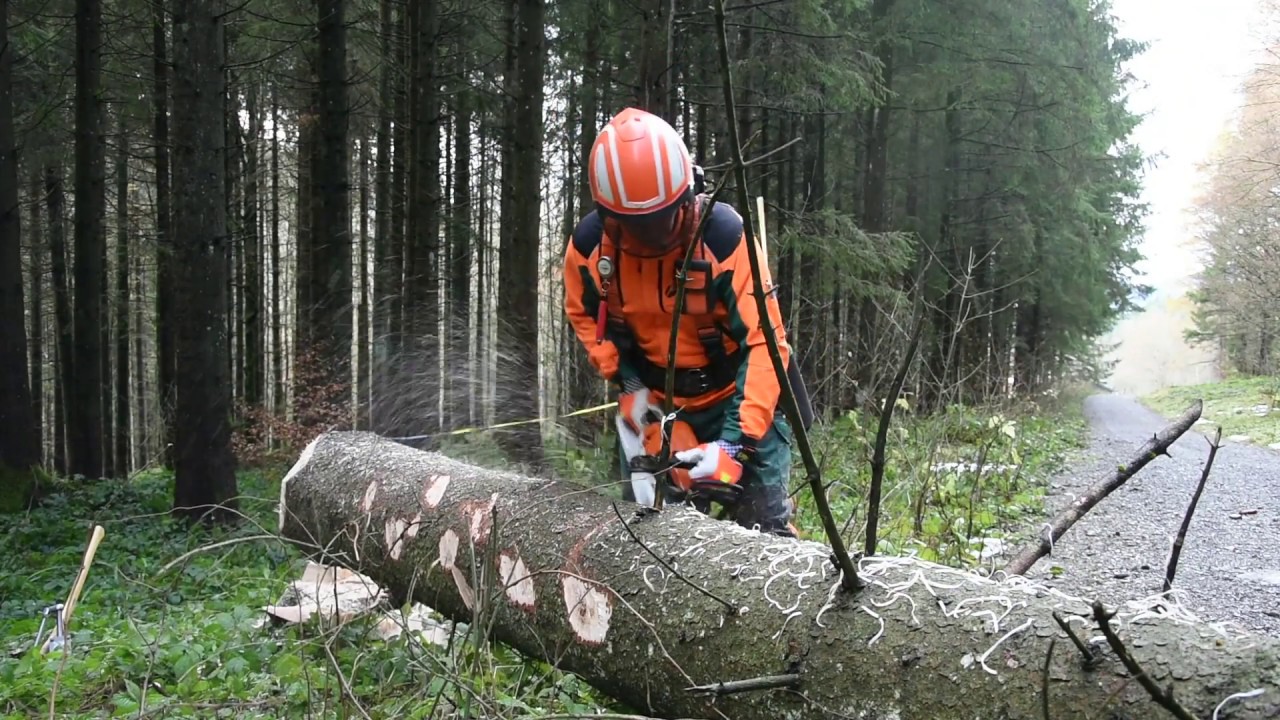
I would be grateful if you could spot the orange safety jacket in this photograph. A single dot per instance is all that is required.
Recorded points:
(721, 338)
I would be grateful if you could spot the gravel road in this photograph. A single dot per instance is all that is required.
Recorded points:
(1230, 564)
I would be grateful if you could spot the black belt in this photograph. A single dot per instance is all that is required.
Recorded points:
(689, 382)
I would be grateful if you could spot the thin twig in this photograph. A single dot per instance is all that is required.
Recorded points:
(1163, 698)
(757, 159)
(669, 386)
(212, 546)
(882, 430)
(1176, 552)
(732, 610)
(1044, 681)
(849, 580)
(1090, 661)
(768, 682)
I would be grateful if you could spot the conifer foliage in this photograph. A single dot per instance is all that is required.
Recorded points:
(351, 212)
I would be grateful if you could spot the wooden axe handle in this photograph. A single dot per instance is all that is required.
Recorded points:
(764, 235)
(74, 596)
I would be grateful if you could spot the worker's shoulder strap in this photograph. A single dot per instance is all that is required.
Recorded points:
(588, 234)
(723, 231)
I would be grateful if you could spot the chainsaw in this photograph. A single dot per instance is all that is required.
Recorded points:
(701, 493)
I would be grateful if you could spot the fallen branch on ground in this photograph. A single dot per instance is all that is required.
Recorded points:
(1176, 552)
(573, 587)
(1156, 446)
(1163, 696)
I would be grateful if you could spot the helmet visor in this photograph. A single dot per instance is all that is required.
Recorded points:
(656, 231)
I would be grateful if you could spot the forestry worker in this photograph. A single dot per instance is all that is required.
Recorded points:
(620, 271)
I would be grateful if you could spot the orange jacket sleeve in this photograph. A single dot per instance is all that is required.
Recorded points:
(581, 303)
(751, 410)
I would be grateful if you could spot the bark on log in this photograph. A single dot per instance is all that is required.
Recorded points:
(921, 641)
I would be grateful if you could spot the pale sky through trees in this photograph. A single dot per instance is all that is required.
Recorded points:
(1188, 87)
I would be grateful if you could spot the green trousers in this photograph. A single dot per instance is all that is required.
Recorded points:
(765, 476)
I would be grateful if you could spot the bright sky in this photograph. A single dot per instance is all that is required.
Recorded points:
(1187, 83)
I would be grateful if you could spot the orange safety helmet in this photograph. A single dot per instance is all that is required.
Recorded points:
(641, 175)
(682, 438)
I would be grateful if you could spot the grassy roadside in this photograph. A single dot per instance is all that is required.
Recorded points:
(1229, 403)
(192, 642)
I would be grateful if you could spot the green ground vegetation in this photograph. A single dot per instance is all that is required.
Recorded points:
(1241, 405)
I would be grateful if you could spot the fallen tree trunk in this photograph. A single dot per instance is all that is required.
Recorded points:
(575, 588)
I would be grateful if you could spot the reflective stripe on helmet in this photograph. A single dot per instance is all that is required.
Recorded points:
(662, 164)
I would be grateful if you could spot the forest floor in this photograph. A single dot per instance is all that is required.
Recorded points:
(1229, 570)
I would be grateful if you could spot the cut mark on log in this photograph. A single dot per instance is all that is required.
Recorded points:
(517, 581)
(392, 532)
(448, 560)
(397, 531)
(434, 492)
(482, 520)
(303, 459)
(371, 492)
(589, 609)
(448, 549)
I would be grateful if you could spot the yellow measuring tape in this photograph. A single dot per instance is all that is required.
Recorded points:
(463, 431)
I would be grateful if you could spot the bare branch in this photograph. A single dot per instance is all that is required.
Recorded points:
(1162, 697)
(1157, 445)
(849, 580)
(1186, 519)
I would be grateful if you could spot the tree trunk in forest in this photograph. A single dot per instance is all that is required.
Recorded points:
(234, 179)
(420, 410)
(818, 328)
(586, 385)
(561, 579)
(123, 424)
(142, 437)
(382, 214)
(278, 391)
(392, 369)
(945, 310)
(204, 477)
(107, 390)
(518, 273)
(875, 188)
(653, 78)
(304, 228)
(382, 249)
(786, 255)
(331, 316)
(166, 301)
(362, 273)
(460, 268)
(254, 346)
(84, 406)
(20, 439)
(35, 280)
(55, 204)
(480, 407)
